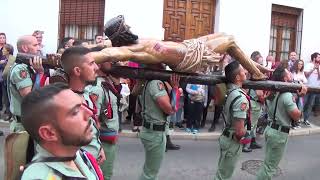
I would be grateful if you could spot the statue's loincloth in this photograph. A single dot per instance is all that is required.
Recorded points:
(198, 55)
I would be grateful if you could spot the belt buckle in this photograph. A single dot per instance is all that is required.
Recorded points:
(105, 111)
(147, 125)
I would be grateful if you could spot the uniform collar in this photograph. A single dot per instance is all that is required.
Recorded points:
(60, 166)
(232, 86)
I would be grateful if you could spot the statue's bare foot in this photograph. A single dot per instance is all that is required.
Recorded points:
(259, 77)
(264, 69)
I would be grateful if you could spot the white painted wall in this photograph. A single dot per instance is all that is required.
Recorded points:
(144, 16)
(249, 21)
(22, 17)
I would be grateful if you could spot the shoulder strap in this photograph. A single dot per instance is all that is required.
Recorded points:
(248, 119)
(250, 95)
(92, 163)
(9, 83)
(109, 86)
(144, 100)
(275, 109)
(166, 87)
(231, 104)
(230, 110)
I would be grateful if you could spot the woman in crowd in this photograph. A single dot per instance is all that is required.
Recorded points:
(9, 60)
(298, 77)
(3, 62)
(3, 41)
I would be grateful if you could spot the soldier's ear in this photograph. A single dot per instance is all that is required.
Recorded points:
(47, 133)
(76, 71)
(237, 78)
(25, 48)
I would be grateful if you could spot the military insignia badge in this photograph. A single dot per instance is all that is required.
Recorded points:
(94, 97)
(293, 98)
(243, 106)
(23, 74)
(160, 86)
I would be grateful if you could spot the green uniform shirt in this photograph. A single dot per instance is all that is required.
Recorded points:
(151, 111)
(95, 145)
(19, 78)
(102, 99)
(286, 104)
(239, 108)
(56, 170)
(255, 105)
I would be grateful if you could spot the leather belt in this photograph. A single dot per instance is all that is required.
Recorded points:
(155, 127)
(18, 118)
(280, 128)
(227, 133)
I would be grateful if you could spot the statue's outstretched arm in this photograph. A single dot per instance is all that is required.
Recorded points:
(125, 53)
(112, 54)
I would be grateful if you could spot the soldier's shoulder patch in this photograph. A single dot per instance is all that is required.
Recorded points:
(94, 97)
(23, 74)
(51, 176)
(294, 98)
(243, 106)
(160, 86)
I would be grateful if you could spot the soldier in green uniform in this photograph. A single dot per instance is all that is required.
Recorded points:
(106, 94)
(236, 112)
(156, 106)
(47, 115)
(19, 79)
(81, 70)
(256, 102)
(282, 109)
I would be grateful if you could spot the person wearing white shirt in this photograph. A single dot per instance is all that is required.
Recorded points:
(313, 75)
(292, 60)
(198, 98)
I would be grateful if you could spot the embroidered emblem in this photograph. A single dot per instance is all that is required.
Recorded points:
(23, 74)
(94, 97)
(294, 99)
(243, 106)
(160, 86)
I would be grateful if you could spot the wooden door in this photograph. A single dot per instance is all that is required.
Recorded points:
(186, 19)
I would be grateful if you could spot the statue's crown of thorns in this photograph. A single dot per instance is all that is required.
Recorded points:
(114, 27)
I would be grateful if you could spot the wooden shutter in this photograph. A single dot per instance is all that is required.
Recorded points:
(81, 14)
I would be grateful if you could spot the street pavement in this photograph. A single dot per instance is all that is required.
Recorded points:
(198, 160)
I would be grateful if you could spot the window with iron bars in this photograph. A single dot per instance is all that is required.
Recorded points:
(286, 31)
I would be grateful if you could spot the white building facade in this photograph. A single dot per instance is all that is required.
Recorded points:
(248, 20)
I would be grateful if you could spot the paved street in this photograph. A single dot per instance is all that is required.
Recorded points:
(198, 160)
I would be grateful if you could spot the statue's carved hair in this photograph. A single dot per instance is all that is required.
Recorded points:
(118, 32)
